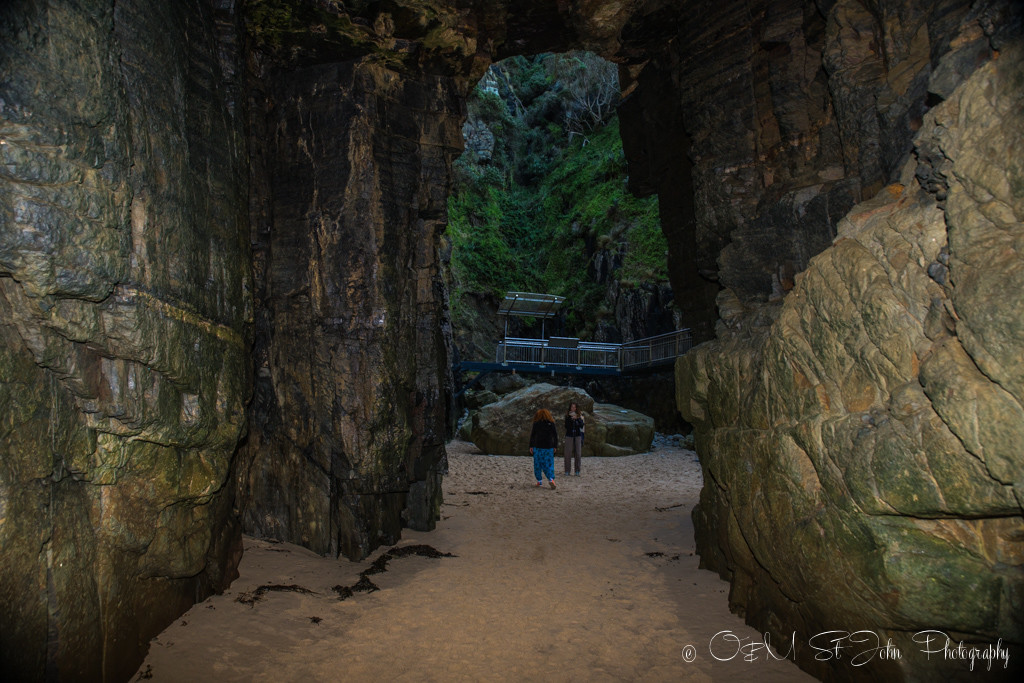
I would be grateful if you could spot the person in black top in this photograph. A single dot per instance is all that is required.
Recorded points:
(543, 440)
(573, 438)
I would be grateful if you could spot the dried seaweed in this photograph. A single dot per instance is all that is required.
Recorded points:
(658, 553)
(380, 565)
(252, 597)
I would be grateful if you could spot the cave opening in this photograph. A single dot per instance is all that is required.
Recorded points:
(543, 200)
(540, 203)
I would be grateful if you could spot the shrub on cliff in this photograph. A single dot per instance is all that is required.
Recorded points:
(547, 207)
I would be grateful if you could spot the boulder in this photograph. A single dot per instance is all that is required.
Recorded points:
(503, 427)
(476, 399)
(873, 429)
(502, 383)
(613, 430)
(465, 430)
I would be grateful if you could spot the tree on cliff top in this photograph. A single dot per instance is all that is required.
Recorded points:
(540, 200)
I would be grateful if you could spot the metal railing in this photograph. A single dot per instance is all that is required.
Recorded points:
(641, 353)
(540, 352)
(663, 348)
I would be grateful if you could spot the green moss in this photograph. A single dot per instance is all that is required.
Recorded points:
(531, 217)
(280, 25)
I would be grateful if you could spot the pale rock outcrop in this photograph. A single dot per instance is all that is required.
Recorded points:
(614, 430)
(861, 443)
(503, 427)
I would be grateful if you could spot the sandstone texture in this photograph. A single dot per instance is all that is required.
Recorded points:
(125, 315)
(861, 442)
(503, 427)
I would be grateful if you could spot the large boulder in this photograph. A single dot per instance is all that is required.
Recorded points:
(614, 430)
(478, 399)
(503, 427)
(504, 383)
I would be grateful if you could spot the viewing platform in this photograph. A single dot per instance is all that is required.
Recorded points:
(570, 355)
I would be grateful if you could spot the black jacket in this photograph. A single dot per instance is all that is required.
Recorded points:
(543, 435)
(573, 426)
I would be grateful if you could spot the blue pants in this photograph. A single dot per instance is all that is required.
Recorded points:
(544, 463)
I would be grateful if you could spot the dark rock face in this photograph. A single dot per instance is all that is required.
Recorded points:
(125, 316)
(352, 347)
(784, 115)
(658, 149)
(351, 392)
(870, 426)
(651, 393)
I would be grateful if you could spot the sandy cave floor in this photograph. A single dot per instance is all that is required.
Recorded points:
(595, 581)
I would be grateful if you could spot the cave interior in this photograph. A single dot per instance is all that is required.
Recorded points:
(224, 306)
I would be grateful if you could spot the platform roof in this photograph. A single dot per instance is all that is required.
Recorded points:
(530, 304)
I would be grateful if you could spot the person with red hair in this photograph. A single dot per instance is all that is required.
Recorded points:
(543, 440)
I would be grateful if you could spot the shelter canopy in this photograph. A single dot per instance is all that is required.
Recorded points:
(530, 304)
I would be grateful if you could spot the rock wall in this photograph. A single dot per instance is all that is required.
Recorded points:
(860, 440)
(124, 315)
(352, 351)
(760, 124)
(357, 115)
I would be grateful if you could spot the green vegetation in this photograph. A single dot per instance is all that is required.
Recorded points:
(276, 24)
(542, 205)
(297, 32)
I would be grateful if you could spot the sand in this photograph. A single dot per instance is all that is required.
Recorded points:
(596, 580)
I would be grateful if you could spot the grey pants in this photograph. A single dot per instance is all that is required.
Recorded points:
(573, 445)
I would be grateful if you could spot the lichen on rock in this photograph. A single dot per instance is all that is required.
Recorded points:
(125, 307)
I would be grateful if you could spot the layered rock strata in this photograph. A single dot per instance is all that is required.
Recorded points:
(760, 124)
(125, 318)
(352, 385)
(358, 113)
(861, 441)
